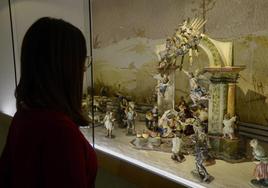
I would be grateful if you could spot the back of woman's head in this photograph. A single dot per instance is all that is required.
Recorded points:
(53, 54)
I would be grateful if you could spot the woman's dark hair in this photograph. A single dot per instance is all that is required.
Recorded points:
(53, 56)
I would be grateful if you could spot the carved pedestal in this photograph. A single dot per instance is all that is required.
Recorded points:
(230, 148)
(226, 149)
(222, 95)
(222, 101)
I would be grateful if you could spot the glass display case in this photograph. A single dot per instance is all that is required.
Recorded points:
(178, 88)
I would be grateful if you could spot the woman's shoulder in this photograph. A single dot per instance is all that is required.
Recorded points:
(44, 128)
(43, 119)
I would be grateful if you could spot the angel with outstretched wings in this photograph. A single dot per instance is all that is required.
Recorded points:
(163, 83)
(196, 79)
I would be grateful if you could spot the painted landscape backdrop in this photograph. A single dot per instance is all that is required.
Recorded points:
(126, 33)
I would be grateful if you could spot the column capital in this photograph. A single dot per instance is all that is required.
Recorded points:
(227, 74)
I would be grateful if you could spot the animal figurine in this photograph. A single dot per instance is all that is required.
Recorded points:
(228, 129)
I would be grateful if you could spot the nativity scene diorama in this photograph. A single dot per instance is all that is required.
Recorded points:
(201, 123)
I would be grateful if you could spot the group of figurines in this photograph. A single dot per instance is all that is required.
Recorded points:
(196, 80)
(186, 119)
(126, 116)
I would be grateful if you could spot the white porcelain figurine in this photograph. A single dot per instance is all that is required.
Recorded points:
(228, 129)
(109, 123)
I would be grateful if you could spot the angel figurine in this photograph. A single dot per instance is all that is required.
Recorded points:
(163, 84)
(185, 39)
(197, 92)
(261, 169)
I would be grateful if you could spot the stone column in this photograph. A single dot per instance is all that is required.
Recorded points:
(217, 107)
(231, 99)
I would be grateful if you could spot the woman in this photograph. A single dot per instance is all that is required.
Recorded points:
(44, 147)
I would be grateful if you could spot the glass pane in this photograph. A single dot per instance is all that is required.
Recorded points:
(87, 103)
(164, 94)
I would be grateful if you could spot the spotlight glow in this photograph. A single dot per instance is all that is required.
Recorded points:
(8, 109)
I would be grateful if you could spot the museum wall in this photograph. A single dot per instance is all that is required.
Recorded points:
(24, 13)
(126, 33)
(7, 76)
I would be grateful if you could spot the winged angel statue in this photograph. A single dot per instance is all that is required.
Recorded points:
(196, 80)
(184, 41)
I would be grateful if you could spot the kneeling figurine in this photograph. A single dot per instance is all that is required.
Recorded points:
(228, 129)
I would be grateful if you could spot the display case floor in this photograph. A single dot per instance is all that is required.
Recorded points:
(226, 175)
